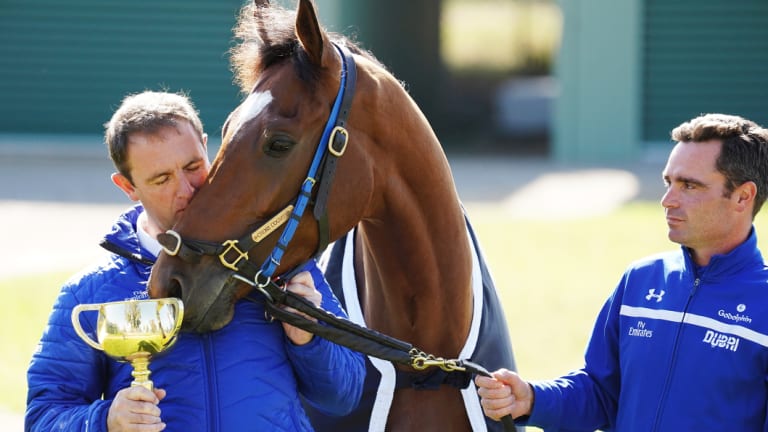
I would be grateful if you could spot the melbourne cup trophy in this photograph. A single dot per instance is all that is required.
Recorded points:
(133, 331)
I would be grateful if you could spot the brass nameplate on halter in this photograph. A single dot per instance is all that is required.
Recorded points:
(272, 224)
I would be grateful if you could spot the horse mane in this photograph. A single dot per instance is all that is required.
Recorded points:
(266, 36)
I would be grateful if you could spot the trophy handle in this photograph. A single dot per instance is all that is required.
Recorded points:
(179, 306)
(179, 312)
(79, 329)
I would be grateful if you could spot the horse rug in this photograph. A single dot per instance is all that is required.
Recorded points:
(487, 343)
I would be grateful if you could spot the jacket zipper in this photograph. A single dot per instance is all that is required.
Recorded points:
(673, 362)
(209, 372)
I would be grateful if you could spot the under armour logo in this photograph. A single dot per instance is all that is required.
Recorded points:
(652, 294)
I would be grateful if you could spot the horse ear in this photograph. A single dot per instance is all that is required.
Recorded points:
(309, 32)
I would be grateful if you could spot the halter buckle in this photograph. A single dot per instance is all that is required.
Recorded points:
(232, 245)
(343, 142)
(177, 247)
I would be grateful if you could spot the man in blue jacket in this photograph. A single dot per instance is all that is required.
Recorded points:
(252, 375)
(682, 344)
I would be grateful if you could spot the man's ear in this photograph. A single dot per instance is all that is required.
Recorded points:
(746, 194)
(125, 185)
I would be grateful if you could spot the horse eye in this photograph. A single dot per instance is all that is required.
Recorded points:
(278, 146)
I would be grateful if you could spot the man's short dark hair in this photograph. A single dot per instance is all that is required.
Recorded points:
(744, 153)
(146, 112)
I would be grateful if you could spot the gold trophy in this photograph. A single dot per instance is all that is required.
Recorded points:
(133, 331)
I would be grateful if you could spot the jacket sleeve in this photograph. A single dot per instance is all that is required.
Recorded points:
(586, 399)
(330, 376)
(64, 393)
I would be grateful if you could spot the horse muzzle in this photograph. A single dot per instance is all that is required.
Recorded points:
(209, 295)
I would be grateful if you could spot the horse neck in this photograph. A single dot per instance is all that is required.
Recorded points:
(416, 241)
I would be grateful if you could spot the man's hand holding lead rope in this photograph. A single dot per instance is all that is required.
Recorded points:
(302, 285)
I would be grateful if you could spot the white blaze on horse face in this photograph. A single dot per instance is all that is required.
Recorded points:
(251, 108)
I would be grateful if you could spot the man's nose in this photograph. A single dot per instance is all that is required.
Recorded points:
(669, 199)
(186, 187)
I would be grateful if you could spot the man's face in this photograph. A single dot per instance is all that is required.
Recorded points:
(167, 169)
(699, 214)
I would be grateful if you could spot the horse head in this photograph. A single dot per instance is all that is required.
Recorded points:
(293, 75)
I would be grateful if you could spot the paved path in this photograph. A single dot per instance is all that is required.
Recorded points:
(54, 208)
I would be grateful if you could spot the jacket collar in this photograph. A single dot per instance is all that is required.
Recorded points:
(744, 256)
(123, 238)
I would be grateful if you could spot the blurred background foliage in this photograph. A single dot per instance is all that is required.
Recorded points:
(500, 38)
(499, 57)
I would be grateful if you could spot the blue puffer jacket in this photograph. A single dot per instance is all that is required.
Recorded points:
(244, 377)
(676, 348)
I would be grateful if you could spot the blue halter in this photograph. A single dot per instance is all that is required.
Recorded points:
(331, 133)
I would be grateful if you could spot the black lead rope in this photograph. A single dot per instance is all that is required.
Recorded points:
(358, 338)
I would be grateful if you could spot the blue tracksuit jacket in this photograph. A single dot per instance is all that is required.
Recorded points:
(675, 348)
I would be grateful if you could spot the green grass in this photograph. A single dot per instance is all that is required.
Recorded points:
(28, 301)
(553, 277)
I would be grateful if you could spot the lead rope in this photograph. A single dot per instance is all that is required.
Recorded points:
(358, 338)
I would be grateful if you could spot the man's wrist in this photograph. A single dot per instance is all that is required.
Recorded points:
(532, 400)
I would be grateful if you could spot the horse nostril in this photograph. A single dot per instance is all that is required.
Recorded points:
(174, 289)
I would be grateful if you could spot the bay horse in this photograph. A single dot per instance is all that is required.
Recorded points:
(405, 261)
